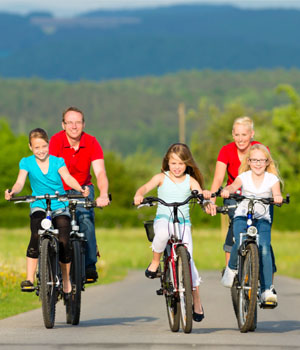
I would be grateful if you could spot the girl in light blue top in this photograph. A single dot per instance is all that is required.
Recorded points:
(179, 176)
(45, 174)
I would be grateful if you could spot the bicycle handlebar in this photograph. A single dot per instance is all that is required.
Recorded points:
(239, 197)
(60, 197)
(225, 208)
(195, 195)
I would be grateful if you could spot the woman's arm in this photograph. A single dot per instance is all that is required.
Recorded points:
(237, 183)
(219, 176)
(72, 182)
(148, 186)
(18, 186)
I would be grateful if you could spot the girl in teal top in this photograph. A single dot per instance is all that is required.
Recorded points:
(179, 176)
(45, 174)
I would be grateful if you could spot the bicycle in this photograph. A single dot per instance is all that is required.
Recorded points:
(245, 291)
(174, 270)
(77, 270)
(49, 277)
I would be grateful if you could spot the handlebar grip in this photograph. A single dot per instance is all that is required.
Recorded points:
(21, 198)
(74, 196)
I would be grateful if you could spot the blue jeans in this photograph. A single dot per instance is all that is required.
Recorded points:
(86, 221)
(229, 237)
(264, 248)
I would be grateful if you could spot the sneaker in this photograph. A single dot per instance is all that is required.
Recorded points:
(27, 286)
(268, 296)
(228, 277)
(91, 275)
(272, 288)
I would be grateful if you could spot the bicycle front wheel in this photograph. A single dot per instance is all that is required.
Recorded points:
(247, 294)
(74, 304)
(173, 308)
(47, 275)
(184, 289)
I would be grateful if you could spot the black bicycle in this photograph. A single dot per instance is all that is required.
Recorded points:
(245, 291)
(49, 277)
(174, 270)
(77, 270)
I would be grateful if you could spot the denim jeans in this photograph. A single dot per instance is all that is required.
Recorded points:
(264, 248)
(229, 237)
(86, 221)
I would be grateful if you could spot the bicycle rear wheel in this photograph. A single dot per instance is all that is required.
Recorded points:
(185, 289)
(74, 304)
(48, 291)
(173, 308)
(247, 294)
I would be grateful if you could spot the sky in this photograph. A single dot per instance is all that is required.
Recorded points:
(69, 8)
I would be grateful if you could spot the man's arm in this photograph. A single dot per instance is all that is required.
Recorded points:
(102, 182)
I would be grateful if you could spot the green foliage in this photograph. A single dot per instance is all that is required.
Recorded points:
(13, 148)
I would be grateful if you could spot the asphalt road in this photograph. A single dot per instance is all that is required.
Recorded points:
(129, 315)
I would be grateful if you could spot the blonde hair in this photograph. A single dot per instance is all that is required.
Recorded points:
(246, 121)
(270, 165)
(184, 153)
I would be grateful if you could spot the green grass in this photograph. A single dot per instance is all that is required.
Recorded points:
(121, 250)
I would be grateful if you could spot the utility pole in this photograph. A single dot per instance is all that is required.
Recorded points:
(181, 122)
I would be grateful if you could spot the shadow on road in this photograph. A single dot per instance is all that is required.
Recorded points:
(110, 321)
(278, 326)
(262, 327)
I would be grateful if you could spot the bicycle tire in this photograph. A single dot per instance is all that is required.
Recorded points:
(185, 289)
(247, 294)
(173, 308)
(47, 275)
(73, 307)
(234, 296)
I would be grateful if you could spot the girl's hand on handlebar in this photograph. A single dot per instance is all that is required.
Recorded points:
(138, 199)
(8, 194)
(278, 199)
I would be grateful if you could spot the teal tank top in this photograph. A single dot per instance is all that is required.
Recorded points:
(174, 192)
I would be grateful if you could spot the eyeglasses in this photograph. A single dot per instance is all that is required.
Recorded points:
(77, 123)
(254, 161)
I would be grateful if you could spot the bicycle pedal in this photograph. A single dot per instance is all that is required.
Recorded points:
(28, 289)
(90, 280)
(159, 292)
(268, 305)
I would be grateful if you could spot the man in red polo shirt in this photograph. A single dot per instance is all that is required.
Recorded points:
(81, 151)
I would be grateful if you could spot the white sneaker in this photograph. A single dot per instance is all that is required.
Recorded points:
(228, 277)
(268, 296)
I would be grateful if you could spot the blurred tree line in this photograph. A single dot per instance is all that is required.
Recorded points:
(278, 128)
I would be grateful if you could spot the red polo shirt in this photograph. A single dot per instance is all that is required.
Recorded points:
(78, 162)
(229, 156)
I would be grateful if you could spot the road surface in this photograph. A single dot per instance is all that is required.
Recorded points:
(129, 315)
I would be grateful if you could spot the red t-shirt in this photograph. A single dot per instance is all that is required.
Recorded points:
(78, 162)
(229, 156)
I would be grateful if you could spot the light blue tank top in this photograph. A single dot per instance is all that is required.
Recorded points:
(174, 192)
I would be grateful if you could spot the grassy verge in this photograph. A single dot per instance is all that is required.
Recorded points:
(121, 250)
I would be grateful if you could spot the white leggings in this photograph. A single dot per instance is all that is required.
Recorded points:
(163, 229)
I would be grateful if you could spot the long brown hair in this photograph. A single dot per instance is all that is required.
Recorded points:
(184, 153)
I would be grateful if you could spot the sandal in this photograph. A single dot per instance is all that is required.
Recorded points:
(27, 286)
